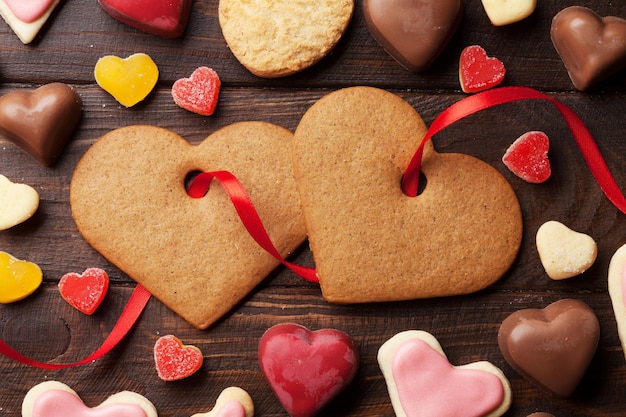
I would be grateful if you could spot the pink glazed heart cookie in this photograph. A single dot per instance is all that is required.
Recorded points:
(232, 402)
(26, 18)
(86, 291)
(370, 241)
(129, 201)
(422, 382)
(165, 18)
(198, 93)
(55, 399)
(175, 361)
(306, 369)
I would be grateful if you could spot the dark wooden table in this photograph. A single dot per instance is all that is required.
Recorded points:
(46, 328)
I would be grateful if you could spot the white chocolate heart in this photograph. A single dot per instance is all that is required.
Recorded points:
(18, 202)
(224, 404)
(505, 12)
(616, 291)
(26, 31)
(564, 253)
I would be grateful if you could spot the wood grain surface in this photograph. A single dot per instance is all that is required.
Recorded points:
(46, 328)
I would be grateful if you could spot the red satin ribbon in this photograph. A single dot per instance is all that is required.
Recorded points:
(495, 97)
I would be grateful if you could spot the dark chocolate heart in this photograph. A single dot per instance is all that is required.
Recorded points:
(551, 347)
(413, 32)
(41, 121)
(591, 47)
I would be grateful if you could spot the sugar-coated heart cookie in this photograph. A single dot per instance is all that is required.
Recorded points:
(369, 240)
(591, 47)
(41, 121)
(617, 291)
(479, 72)
(174, 360)
(55, 399)
(166, 18)
(403, 31)
(86, 291)
(564, 253)
(551, 347)
(505, 12)
(128, 80)
(129, 201)
(422, 382)
(276, 38)
(527, 157)
(26, 18)
(232, 402)
(18, 279)
(307, 369)
(18, 202)
(198, 93)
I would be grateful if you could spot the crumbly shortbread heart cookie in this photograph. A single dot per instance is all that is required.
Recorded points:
(129, 201)
(276, 38)
(370, 241)
(617, 291)
(232, 402)
(18, 202)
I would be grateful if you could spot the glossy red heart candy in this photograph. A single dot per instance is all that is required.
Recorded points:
(198, 93)
(551, 347)
(85, 291)
(175, 361)
(477, 71)
(306, 369)
(413, 32)
(527, 157)
(166, 18)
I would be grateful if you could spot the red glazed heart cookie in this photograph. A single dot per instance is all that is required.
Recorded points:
(198, 93)
(306, 369)
(591, 47)
(479, 72)
(129, 201)
(370, 241)
(232, 402)
(85, 291)
(551, 347)
(527, 157)
(174, 360)
(413, 32)
(41, 121)
(55, 399)
(163, 18)
(422, 382)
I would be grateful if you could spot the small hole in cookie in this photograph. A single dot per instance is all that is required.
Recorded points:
(421, 185)
(189, 179)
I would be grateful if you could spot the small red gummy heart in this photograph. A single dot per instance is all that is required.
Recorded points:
(166, 18)
(198, 93)
(84, 292)
(477, 71)
(527, 157)
(305, 369)
(174, 360)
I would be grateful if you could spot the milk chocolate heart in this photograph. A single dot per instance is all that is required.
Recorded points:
(129, 201)
(163, 18)
(41, 121)
(552, 347)
(413, 32)
(591, 47)
(371, 242)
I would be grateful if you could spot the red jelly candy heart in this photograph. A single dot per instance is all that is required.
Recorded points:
(477, 71)
(166, 18)
(174, 360)
(199, 93)
(527, 157)
(84, 292)
(305, 369)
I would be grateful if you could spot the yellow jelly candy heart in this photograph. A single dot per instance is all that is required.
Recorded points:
(128, 80)
(18, 279)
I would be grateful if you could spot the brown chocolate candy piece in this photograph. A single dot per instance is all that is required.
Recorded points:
(41, 121)
(413, 32)
(591, 47)
(551, 347)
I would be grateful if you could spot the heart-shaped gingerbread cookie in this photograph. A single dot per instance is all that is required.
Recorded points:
(370, 241)
(129, 201)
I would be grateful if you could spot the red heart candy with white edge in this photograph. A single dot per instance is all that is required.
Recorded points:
(307, 369)
(479, 72)
(198, 93)
(167, 19)
(85, 291)
(527, 157)
(175, 361)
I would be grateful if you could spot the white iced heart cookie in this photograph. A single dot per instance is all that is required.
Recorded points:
(18, 202)
(564, 253)
(232, 402)
(617, 291)
(505, 12)
(26, 18)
